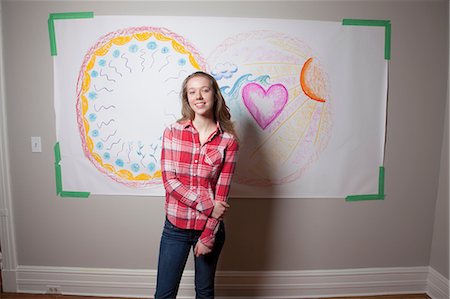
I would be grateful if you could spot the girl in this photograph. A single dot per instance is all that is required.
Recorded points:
(197, 162)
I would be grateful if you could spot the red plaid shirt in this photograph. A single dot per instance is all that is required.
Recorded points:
(196, 175)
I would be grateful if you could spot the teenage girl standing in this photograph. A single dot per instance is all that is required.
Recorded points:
(198, 158)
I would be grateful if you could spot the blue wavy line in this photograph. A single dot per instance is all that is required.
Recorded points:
(126, 63)
(106, 75)
(106, 140)
(115, 69)
(167, 60)
(103, 107)
(103, 88)
(179, 75)
(106, 124)
(143, 59)
(113, 144)
(120, 150)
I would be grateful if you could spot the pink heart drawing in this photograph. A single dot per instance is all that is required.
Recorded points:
(263, 105)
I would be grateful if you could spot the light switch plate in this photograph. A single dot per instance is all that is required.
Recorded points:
(36, 146)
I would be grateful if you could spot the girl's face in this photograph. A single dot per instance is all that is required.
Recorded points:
(200, 96)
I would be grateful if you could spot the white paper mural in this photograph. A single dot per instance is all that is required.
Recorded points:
(308, 100)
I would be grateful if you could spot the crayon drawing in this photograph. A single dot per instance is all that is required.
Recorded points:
(278, 93)
(308, 100)
(118, 76)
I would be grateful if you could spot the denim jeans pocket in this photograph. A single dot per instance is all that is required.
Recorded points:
(168, 224)
(171, 232)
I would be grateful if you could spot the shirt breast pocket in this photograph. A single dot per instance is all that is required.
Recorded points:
(213, 161)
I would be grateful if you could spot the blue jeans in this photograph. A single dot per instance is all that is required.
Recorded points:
(173, 254)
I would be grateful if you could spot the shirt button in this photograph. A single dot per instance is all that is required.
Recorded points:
(195, 161)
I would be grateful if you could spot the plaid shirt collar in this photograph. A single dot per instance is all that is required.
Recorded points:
(188, 123)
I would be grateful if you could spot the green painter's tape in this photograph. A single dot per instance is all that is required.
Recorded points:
(364, 197)
(378, 196)
(387, 42)
(71, 15)
(360, 22)
(57, 153)
(62, 16)
(75, 194)
(381, 181)
(51, 35)
(58, 179)
(382, 23)
(58, 175)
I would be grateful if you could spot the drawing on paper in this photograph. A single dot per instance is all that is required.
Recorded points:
(124, 72)
(301, 104)
(279, 97)
(274, 85)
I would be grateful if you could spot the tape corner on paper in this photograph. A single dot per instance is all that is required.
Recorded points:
(377, 196)
(58, 177)
(71, 15)
(51, 35)
(59, 16)
(382, 23)
(365, 197)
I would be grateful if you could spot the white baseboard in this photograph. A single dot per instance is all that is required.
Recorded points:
(230, 284)
(438, 285)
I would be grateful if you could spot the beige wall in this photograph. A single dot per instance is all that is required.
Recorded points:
(440, 246)
(263, 234)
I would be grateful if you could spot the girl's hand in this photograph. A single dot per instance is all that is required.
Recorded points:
(201, 249)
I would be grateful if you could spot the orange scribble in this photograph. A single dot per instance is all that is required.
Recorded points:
(303, 82)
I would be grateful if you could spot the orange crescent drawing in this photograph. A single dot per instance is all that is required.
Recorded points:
(306, 89)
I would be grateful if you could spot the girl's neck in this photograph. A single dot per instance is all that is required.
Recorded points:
(205, 127)
(203, 123)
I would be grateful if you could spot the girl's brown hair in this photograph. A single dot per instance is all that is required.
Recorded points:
(221, 110)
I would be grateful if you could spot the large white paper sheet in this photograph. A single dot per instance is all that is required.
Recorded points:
(308, 99)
